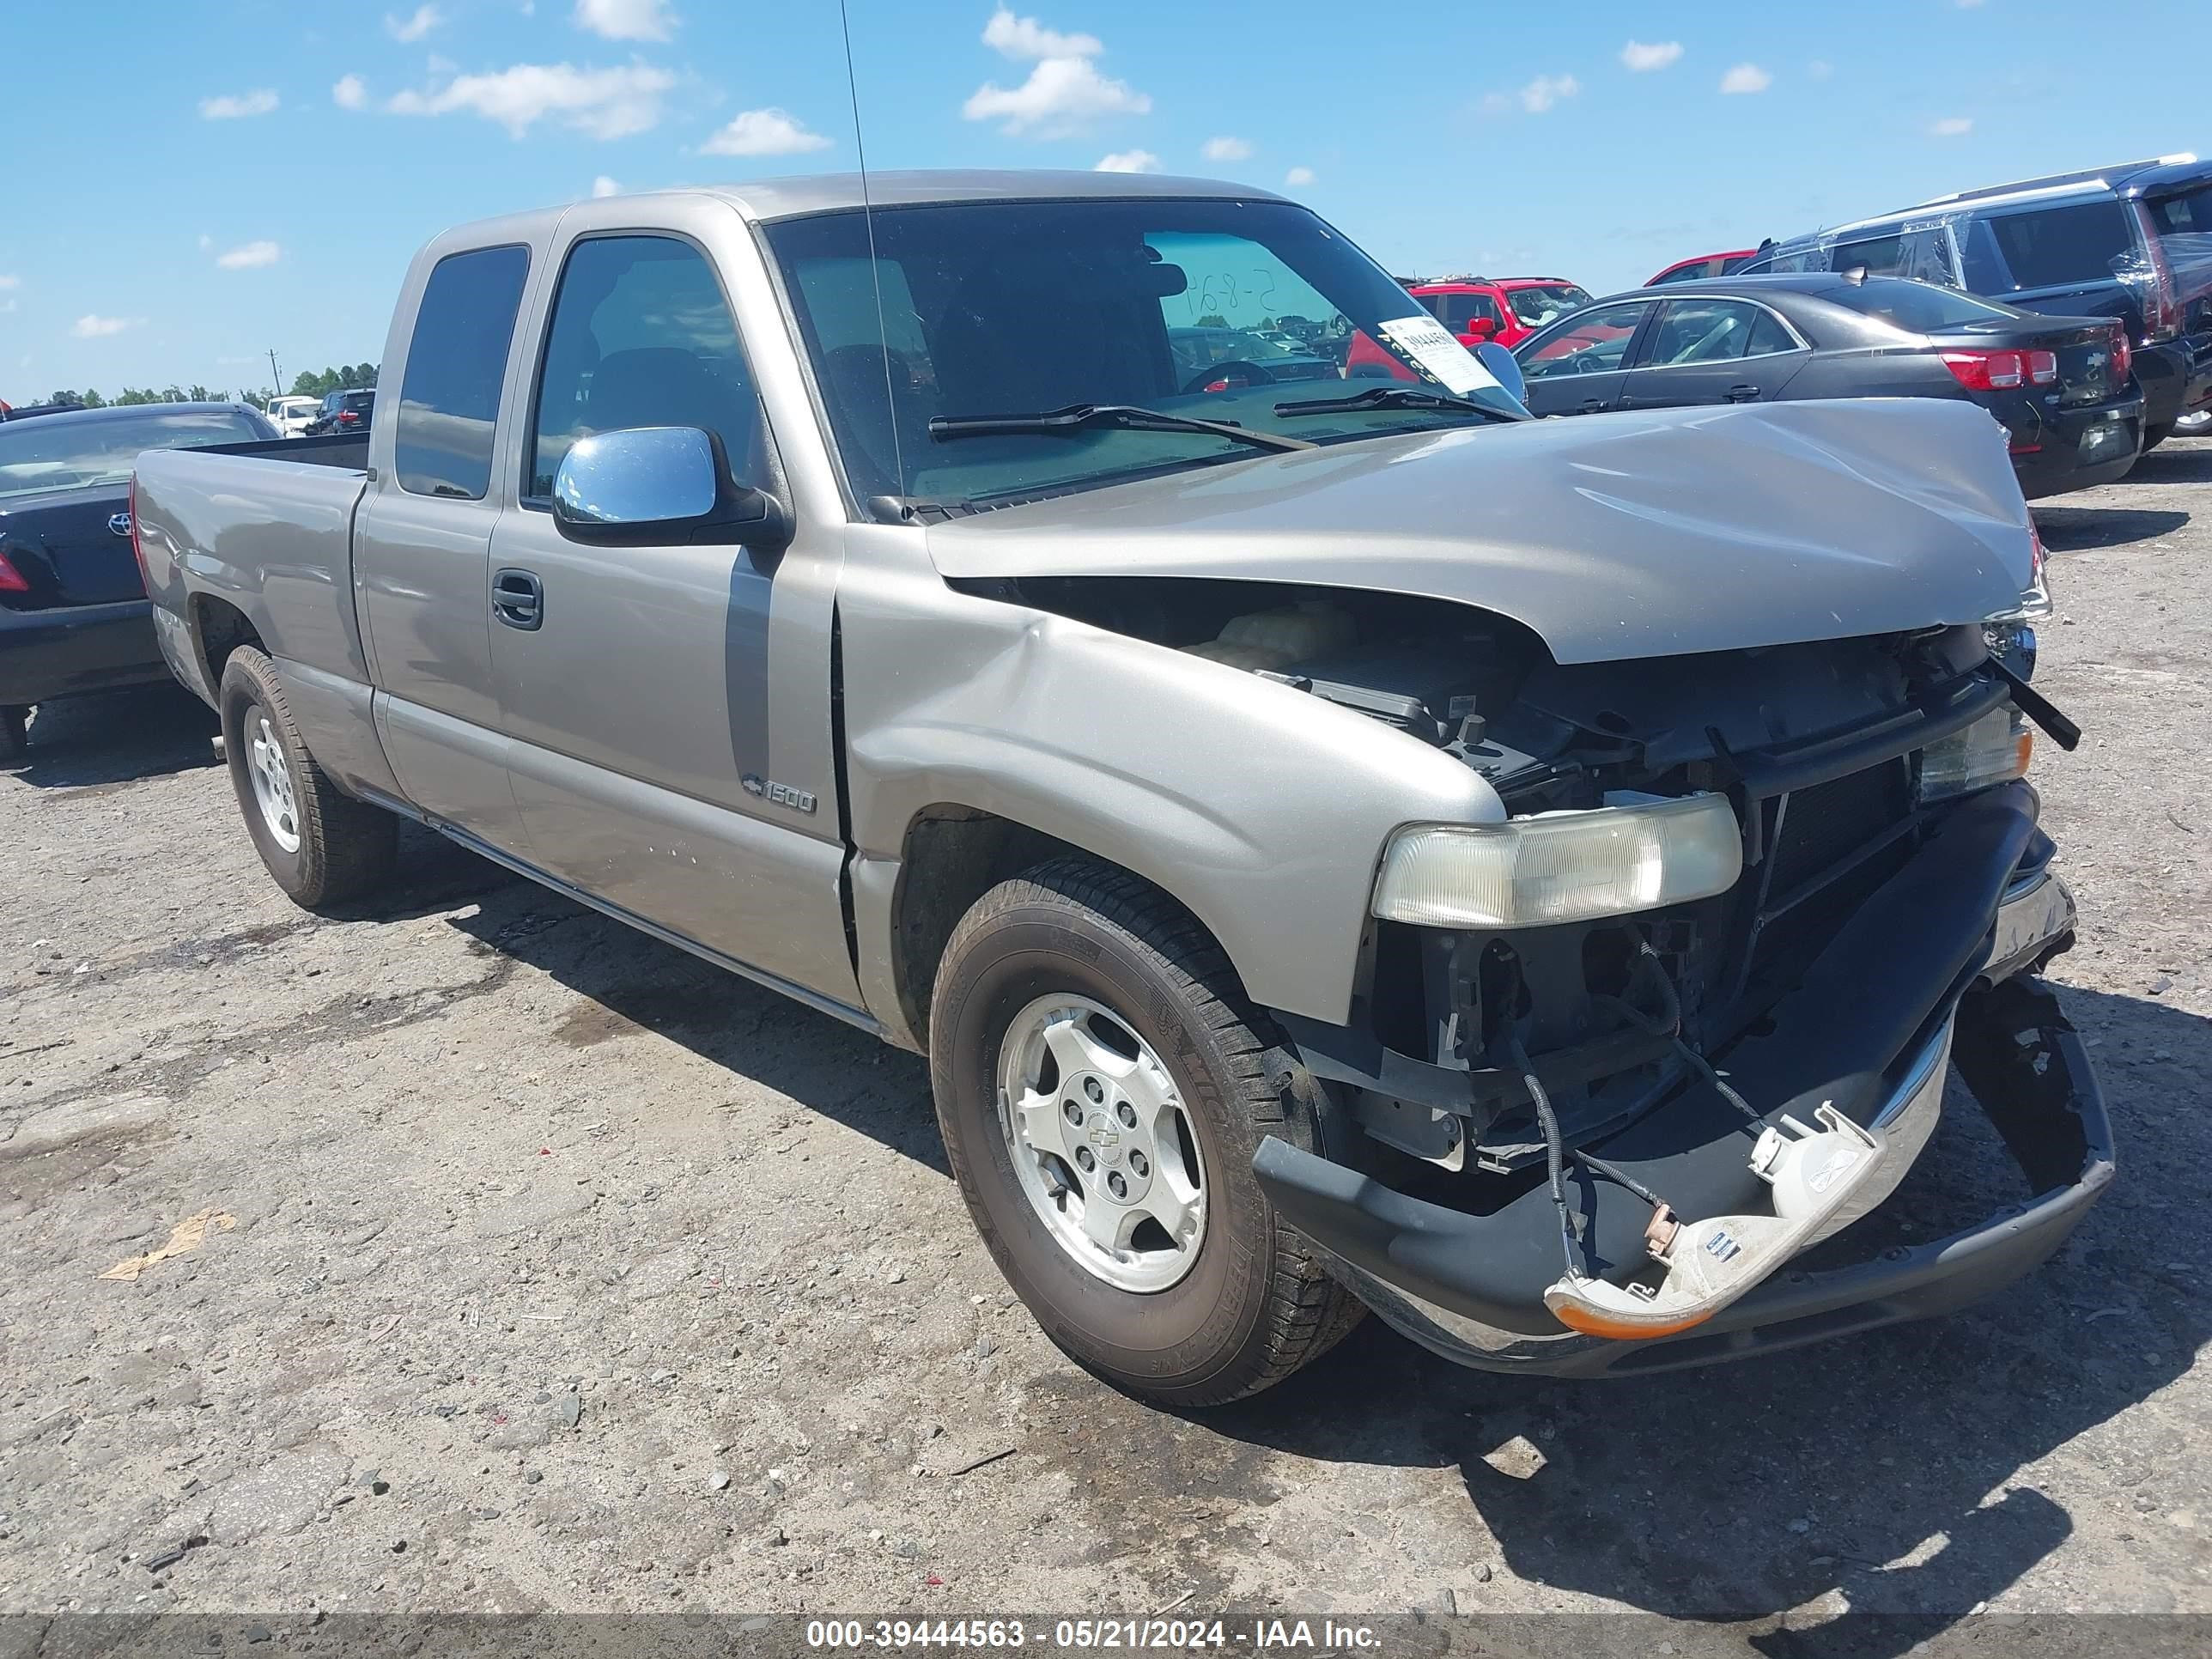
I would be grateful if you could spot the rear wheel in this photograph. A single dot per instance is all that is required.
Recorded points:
(1102, 1084)
(14, 724)
(321, 845)
(2155, 435)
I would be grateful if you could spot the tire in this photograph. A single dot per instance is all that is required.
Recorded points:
(2155, 435)
(14, 741)
(343, 848)
(1253, 1304)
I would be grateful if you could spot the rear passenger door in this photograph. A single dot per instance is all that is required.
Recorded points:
(1576, 366)
(422, 544)
(1712, 351)
(634, 682)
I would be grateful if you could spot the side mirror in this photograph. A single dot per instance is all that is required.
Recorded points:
(1481, 327)
(1504, 367)
(662, 483)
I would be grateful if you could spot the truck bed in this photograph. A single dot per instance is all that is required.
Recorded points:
(262, 530)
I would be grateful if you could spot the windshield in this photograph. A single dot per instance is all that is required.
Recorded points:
(1194, 307)
(67, 454)
(1536, 307)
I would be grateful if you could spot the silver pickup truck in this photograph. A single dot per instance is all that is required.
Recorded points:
(1338, 841)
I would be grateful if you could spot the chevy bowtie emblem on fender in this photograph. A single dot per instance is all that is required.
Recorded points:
(777, 794)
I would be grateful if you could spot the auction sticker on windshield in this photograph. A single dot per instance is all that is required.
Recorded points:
(1430, 344)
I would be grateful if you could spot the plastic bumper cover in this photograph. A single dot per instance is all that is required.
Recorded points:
(90, 647)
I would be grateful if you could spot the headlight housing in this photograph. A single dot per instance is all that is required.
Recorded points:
(1560, 866)
(1995, 749)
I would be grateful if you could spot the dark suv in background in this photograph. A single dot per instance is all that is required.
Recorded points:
(2133, 241)
(342, 411)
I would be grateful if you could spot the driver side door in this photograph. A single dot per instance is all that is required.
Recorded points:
(1579, 364)
(648, 763)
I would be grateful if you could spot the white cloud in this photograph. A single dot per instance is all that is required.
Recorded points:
(349, 92)
(7, 304)
(233, 106)
(1539, 96)
(1061, 95)
(626, 20)
(425, 19)
(764, 132)
(1641, 58)
(605, 103)
(603, 186)
(8, 283)
(1227, 149)
(1129, 161)
(1298, 176)
(1819, 69)
(1952, 126)
(248, 256)
(1746, 78)
(90, 327)
(1025, 37)
(206, 241)
(1064, 93)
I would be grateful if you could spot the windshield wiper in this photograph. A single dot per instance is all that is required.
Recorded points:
(1077, 417)
(1393, 396)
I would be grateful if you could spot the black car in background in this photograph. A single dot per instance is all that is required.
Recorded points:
(2060, 386)
(2132, 241)
(342, 411)
(73, 610)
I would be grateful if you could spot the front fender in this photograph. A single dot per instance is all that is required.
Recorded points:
(1261, 809)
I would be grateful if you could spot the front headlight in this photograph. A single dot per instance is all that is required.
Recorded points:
(1995, 749)
(1560, 866)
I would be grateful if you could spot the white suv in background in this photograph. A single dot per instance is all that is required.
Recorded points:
(292, 414)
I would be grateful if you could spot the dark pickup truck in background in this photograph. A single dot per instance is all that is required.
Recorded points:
(73, 610)
(2132, 241)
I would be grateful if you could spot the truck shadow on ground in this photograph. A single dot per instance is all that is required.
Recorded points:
(633, 984)
(115, 738)
(2080, 529)
(1894, 1468)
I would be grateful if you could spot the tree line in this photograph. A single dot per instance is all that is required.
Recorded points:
(308, 383)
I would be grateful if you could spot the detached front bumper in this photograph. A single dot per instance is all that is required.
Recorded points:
(1458, 1282)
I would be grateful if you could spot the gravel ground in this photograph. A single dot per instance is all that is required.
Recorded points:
(547, 1269)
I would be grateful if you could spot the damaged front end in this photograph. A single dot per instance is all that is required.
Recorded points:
(1619, 1063)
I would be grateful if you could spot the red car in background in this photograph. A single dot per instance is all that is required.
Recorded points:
(1705, 265)
(1506, 310)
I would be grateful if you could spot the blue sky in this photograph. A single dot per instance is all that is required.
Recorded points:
(191, 184)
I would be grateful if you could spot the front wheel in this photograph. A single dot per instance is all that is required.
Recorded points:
(322, 845)
(15, 729)
(1102, 1084)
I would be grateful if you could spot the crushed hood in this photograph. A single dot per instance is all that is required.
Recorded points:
(1612, 536)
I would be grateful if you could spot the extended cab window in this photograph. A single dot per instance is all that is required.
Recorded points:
(456, 362)
(640, 336)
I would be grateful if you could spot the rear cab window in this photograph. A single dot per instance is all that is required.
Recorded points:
(456, 367)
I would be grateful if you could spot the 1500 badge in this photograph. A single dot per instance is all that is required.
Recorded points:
(777, 794)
